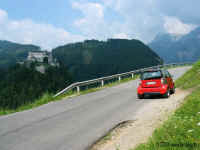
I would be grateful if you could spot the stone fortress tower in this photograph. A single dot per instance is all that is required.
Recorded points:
(42, 57)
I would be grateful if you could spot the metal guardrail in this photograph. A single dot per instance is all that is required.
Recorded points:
(101, 80)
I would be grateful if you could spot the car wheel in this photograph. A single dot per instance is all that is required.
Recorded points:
(140, 96)
(172, 90)
(167, 94)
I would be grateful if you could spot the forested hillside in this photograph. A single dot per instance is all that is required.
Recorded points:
(20, 85)
(92, 59)
(10, 53)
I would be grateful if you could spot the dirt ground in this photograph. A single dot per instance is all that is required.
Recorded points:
(131, 133)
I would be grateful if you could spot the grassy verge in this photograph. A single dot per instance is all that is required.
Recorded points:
(182, 130)
(47, 97)
(191, 78)
(171, 67)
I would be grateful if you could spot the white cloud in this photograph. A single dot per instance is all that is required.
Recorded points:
(92, 24)
(174, 26)
(93, 10)
(109, 3)
(145, 19)
(140, 18)
(28, 32)
(104, 19)
(186, 11)
(3, 16)
(121, 36)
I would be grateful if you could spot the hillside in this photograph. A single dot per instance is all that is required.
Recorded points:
(92, 59)
(10, 52)
(21, 85)
(181, 49)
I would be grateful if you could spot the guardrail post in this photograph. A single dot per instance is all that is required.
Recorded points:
(102, 83)
(78, 89)
(132, 75)
(119, 78)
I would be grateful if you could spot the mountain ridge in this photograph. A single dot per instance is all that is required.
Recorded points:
(186, 48)
(93, 58)
(11, 53)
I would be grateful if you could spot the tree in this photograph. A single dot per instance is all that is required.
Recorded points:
(22, 85)
(46, 60)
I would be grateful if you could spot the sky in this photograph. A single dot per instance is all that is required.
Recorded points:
(50, 23)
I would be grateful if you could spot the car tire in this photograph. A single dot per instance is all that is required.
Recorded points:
(140, 96)
(167, 94)
(172, 90)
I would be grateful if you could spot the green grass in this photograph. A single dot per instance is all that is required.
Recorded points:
(47, 97)
(182, 129)
(191, 78)
(171, 67)
(107, 137)
(110, 84)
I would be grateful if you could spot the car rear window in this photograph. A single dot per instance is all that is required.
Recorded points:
(151, 75)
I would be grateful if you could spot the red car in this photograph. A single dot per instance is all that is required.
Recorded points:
(156, 82)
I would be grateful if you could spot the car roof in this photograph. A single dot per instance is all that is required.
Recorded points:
(153, 70)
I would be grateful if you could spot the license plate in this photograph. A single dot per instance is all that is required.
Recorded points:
(150, 83)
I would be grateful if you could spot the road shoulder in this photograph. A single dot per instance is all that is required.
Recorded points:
(132, 133)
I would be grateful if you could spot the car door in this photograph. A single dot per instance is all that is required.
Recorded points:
(170, 80)
(166, 75)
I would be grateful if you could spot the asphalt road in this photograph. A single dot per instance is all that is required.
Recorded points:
(72, 124)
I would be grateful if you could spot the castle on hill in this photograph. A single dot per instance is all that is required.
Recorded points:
(42, 57)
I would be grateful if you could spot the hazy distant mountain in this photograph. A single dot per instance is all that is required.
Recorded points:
(92, 58)
(11, 52)
(178, 49)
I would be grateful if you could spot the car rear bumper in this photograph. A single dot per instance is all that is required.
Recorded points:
(152, 91)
